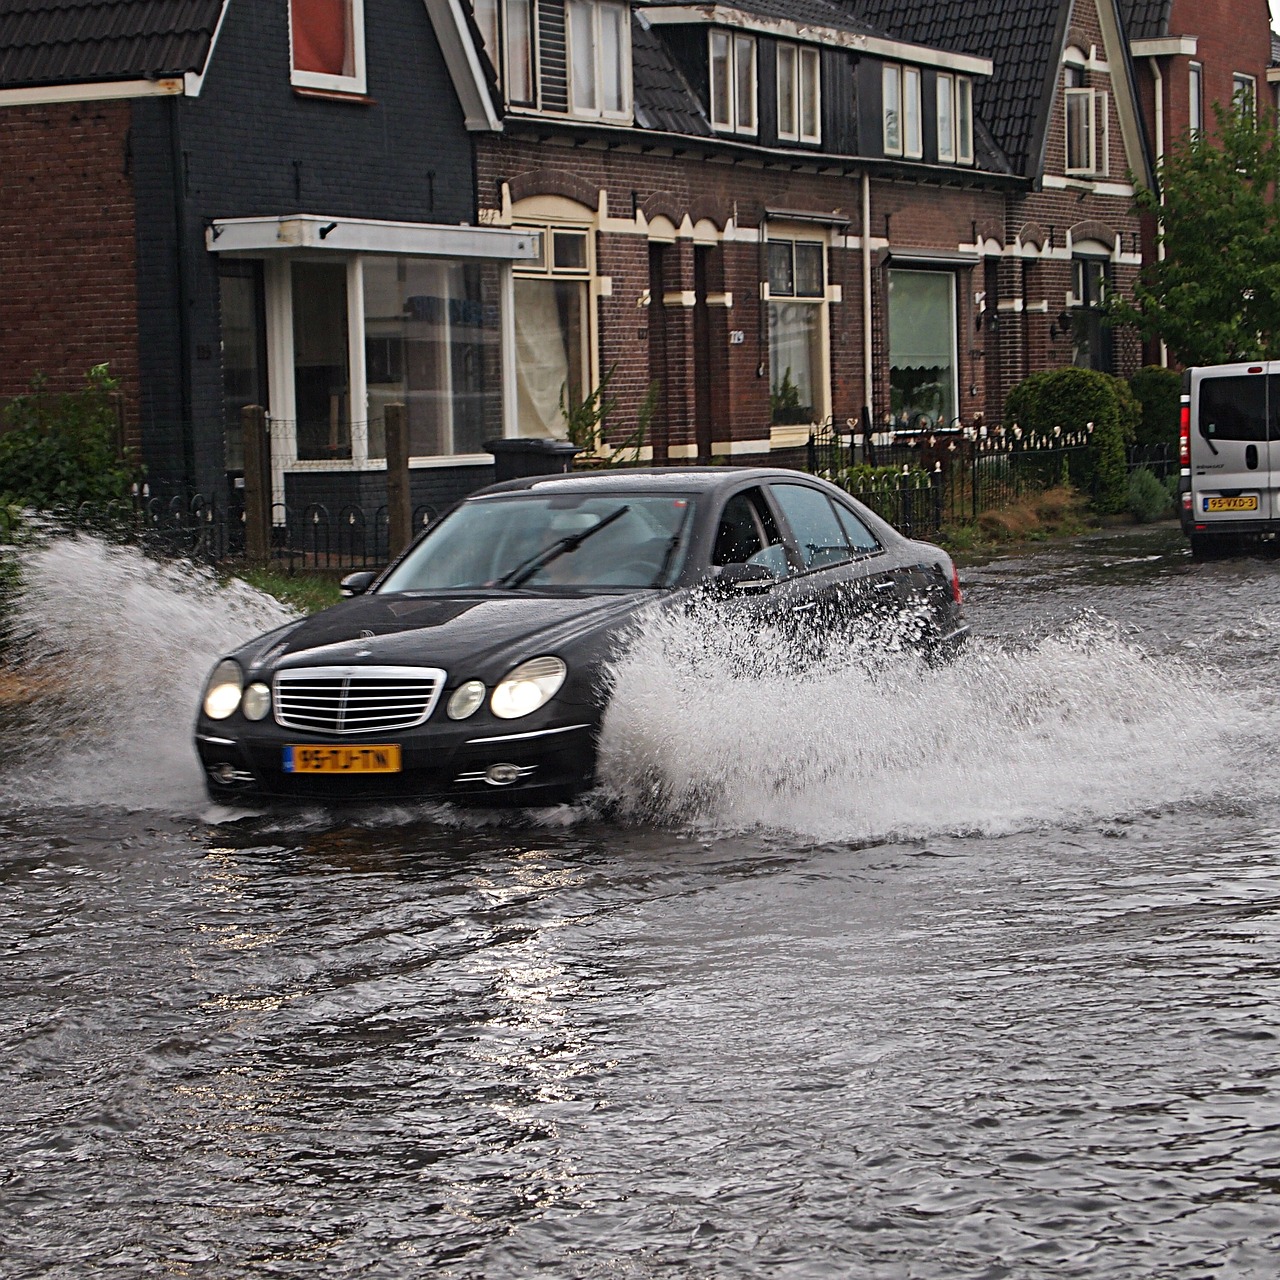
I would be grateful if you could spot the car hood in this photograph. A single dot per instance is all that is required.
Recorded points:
(472, 635)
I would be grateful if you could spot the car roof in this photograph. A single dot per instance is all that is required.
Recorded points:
(642, 479)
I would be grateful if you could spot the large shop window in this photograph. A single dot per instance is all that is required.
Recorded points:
(599, 59)
(552, 331)
(327, 41)
(432, 345)
(797, 331)
(507, 27)
(922, 347)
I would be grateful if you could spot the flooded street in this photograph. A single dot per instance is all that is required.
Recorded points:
(967, 972)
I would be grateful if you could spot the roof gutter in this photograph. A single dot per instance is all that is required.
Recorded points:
(92, 91)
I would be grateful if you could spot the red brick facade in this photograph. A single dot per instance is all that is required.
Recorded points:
(68, 294)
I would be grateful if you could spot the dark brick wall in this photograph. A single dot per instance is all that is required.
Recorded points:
(251, 146)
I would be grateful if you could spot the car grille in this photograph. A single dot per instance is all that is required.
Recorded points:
(356, 699)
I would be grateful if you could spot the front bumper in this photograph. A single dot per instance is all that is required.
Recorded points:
(480, 764)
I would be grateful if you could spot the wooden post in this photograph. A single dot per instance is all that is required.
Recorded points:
(399, 503)
(257, 482)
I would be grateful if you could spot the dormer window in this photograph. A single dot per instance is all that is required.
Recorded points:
(955, 119)
(733, 81)
(327, 44)
(903, 132)
(799, 94)
(508, 29)
(599, 37)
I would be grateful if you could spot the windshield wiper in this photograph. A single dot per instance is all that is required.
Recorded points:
(523, 572)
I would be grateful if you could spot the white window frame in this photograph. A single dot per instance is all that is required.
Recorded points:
(734, 41)
(804, 72)
(497, 26)
(793, 235)
(1093, 103)
(1195, 99)
(354, 83)
(599, 111)
(903, 84)
(1244, 94)
(955, 126)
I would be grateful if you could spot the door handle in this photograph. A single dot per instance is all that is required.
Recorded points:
(804, 608)
(886, 584)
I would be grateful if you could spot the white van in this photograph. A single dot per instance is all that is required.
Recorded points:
(1230, 454)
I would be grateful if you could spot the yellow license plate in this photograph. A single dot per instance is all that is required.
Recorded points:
(1248, 502)
(348, 758)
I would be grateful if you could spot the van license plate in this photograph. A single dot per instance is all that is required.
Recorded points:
(1249, 502)
(348, 758)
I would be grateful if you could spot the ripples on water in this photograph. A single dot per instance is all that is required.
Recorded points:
(897, 972)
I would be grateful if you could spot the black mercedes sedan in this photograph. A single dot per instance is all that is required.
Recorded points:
(475, 667)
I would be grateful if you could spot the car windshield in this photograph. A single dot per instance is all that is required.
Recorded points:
(616, 540)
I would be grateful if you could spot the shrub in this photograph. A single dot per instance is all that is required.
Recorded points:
(1148, 497)
(1073, 399)
(1159, 393)
(62, 450)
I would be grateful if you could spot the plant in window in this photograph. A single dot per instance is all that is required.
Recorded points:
(586, 420)
(785, 407)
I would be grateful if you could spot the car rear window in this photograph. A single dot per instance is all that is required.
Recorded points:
(1234, 407)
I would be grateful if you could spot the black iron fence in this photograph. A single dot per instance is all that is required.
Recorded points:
(921, 480)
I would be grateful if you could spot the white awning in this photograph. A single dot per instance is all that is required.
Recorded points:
(314, 231)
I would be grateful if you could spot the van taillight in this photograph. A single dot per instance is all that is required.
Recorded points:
(955, 585)
(1184, 436)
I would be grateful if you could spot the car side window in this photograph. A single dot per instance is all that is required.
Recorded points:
(748, 534)
(812, 517)
(861, 539)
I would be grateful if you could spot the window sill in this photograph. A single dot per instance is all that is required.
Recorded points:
(334, 95)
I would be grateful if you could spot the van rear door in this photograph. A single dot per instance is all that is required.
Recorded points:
(1232, 407)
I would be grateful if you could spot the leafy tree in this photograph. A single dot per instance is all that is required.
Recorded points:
(1215, 295)
(1159, 392)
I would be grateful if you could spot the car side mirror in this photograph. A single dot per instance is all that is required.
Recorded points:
(356, 584)
(743, 579)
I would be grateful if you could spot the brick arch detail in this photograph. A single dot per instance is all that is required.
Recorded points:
(1093, 229)
(1033, 233)
(663, 204)
(710, 209)
(552, 182)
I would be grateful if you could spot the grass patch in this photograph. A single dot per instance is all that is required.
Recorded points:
(306, 592)
(1057, 513)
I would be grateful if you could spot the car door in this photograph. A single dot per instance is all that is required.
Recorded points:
(845, 574)
(1231, 460)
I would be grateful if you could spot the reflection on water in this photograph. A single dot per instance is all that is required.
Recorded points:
(1032, 1034)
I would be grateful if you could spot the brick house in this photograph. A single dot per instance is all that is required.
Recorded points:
(267, 203)
(778, 213)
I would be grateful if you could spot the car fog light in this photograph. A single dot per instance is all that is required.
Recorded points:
(222, 693)
(256, 702)
(466, 699)
(527, 687)
(502, 775)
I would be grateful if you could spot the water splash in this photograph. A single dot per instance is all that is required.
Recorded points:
(118, 646)
(1079, 725)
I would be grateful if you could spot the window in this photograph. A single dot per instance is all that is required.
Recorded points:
(1086, 117)
(748, 534)
(508, 29)
(922, 347)
(812, 517)
(1234, 408)
(903, 122)
(327, 43)
(733, 81)
(799, 94)
(797, 331)
(1195, 99)
(599, 59)
(955, 119)
(431, 345)
(1244, 95)
(552, 312)
(1091, 340)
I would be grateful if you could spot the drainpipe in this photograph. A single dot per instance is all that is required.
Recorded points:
(1158, 78)
(867, 350)
(177, 164)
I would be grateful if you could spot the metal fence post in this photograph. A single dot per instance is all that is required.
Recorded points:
(257, 482)
(399, 506)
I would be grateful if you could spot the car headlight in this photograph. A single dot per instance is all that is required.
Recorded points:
(466, 699)
(256, 702)
(527, 687)
(222, 693)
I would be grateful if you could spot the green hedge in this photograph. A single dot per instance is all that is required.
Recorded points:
(1076, 399)
(1159, 393)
